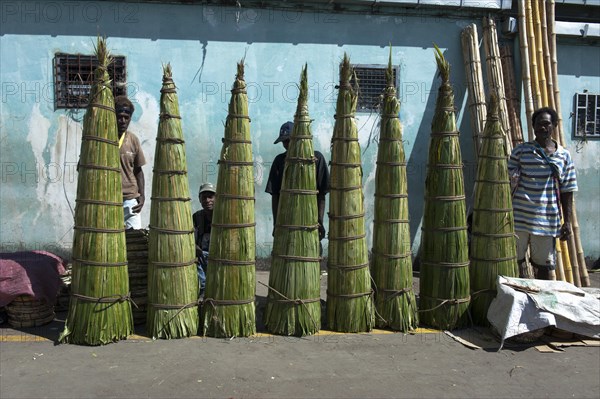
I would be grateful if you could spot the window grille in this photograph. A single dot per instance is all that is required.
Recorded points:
(74, 75)
(587, 116)
(371, 83)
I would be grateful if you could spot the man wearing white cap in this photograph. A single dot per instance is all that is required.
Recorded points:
(202, 224)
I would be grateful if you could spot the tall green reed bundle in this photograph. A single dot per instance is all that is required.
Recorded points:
(349, 295)
(444, 283)
(99, 309)
(229, 307)
(391, 262)
(172, 276)
(293, 306)
(493, 247)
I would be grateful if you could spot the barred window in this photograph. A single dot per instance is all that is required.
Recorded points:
(587, 116)
(74, 75)
(371, 83)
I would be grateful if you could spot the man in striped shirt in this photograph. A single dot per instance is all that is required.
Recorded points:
(545, 180)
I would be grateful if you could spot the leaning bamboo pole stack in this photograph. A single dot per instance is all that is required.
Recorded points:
(493, 247)
(578, 247)
(99, 309)
(513, 104)
(474, 77)
(349, 295)
(172, 276)
(525, 68)
(391, 262)
(444, 282)
(495, 76)
(575, 246)
(293, 301)
(229, 307)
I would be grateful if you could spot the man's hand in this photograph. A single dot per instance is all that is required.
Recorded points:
(565, 231)
(138, 208)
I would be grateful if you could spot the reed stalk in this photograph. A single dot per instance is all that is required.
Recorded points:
(391, 262)
(349, 295)
(172, 275)
(229, 304)
(493, 246)
(99, 309)
(293, 301)
(444, 280)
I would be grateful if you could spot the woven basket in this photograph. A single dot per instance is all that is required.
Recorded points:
(26, 311)
(137, 262)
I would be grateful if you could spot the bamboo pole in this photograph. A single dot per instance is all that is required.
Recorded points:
(535, 86)
(472, 63)
(525, 68)
(566, 267)
(495, 77)
(513, 104)
(539, 52)
(547, 57)
(585, 278)
(560, 271)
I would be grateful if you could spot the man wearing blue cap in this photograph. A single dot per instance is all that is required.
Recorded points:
(276, 177)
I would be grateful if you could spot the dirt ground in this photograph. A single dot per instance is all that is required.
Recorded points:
(428, 364)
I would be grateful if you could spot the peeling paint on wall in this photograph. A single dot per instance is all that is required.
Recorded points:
(42, 140)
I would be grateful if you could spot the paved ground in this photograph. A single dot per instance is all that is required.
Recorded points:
(428, 364)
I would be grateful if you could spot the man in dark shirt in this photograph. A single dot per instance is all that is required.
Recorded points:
(276, 177)
(202, 224)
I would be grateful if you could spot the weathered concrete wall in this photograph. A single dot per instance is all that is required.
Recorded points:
(40, 145)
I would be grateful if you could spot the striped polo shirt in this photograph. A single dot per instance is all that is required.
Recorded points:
(535, 201)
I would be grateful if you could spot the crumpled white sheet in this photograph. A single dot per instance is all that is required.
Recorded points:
(524, 305)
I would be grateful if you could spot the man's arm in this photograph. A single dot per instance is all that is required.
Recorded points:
(139, 177)
(274, 206)
(321, 209)
(566, 200)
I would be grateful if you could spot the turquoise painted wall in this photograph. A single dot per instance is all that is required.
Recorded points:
(40, 145)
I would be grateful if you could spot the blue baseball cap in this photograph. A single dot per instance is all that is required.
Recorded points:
(284, 132)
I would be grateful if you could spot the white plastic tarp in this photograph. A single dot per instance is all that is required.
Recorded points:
(524, 305)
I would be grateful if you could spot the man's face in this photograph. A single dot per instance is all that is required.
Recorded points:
(207, 200)
(286, 143)
(543, 127)
(123, 119)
